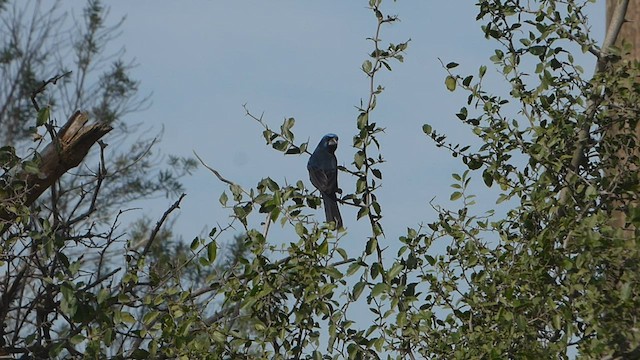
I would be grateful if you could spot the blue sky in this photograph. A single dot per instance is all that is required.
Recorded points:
(203, 59)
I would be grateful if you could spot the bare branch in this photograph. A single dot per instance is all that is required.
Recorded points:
(53, 80)
(214, 171)
(155, 231)
(75, 139)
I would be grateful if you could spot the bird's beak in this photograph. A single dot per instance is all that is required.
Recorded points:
(332, 142)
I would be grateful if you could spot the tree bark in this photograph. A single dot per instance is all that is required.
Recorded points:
(621, 140)
(66, 151)
(628, 153)
(629, 31)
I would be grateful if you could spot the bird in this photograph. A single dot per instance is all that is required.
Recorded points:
(323, 172)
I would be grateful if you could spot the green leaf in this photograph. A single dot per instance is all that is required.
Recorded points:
(127, 317)
(223, 199)
(456, 195)
(363, 120)
(357, 290)
(219, 337)
(195, 243)
(77, 339)
(634, 215)
(555, 64)
(450, 82)
(268, 136)
(353, 268)
(375, 270)
(379, 289)
(280, 145)
(395, 270)
(323, 249)
(140, 354)
(150, 317)
(462, 115)
(334, 274)
(212, 250)
(293, 150)
(288, 123)
(361, 185)
(342, 253)
(487, 176)
(358, 159)
(43, 116)
(625, 291)
(426, 128)
(537, 50)
(31, 167)
(364, 211)
(367, 66)
(8, 157)
(371, 245)
(474, 163)
(103, 294)
(451, 65)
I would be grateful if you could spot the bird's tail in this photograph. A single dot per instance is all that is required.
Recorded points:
(331, 210)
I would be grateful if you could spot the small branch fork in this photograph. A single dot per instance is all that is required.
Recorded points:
(42, 87)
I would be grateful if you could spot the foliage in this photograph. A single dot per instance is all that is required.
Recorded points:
(550, 278)
(57, 253)
(556, 274)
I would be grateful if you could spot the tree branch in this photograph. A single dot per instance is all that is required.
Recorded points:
(214, 171)
(615, 24)
(155, 231)
(53, 80)
(65, 152)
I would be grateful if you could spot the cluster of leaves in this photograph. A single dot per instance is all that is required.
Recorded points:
(289, 300)
(555, 273)
(550, 278)
(66, 287)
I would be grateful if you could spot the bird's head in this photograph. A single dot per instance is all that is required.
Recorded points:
(330, 141)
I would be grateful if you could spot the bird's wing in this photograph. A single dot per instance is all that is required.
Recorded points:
(324, 180)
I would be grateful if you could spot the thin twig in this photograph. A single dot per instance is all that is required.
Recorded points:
(101, 279)
(155, 231)
(214, 171)
(39, 90)
(102, 173)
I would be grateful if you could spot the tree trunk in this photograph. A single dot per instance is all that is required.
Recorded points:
(622, 153)
(627, 153)
(631, 27)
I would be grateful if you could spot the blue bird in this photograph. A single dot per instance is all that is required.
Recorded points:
(323, 172)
